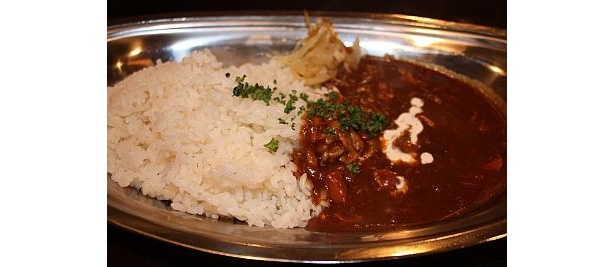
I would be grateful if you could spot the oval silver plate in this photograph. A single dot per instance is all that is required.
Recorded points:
(475, 53)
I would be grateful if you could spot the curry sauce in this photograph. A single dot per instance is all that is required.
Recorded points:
(463, 133)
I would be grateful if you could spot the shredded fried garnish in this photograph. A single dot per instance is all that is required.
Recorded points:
(318, 56)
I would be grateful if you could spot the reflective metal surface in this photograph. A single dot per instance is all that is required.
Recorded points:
(474, 53)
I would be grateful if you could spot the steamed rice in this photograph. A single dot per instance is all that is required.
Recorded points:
(176, 132)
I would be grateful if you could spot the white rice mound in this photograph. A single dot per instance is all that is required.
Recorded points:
(176, 132)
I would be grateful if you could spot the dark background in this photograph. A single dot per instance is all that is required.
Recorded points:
(490, 13)
(129, 249)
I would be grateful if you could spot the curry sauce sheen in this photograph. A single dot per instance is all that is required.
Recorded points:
(463, 132)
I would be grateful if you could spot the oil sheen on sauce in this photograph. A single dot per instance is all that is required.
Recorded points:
(463, 132)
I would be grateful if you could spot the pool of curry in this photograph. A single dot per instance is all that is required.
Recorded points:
(463, 134)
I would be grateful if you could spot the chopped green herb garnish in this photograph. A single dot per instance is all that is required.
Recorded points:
(256, 91)
(332, 107)
(349, 116)
(303, 97)
(272, 145)
(289, 107)
(375, 124)
(292, 126)
(330, 130)
(331, 95)
(290, 104)
(354, 168)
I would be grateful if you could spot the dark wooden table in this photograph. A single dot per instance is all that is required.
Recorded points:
(129, 249)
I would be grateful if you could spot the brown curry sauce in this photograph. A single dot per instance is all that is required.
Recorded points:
(463, 131)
